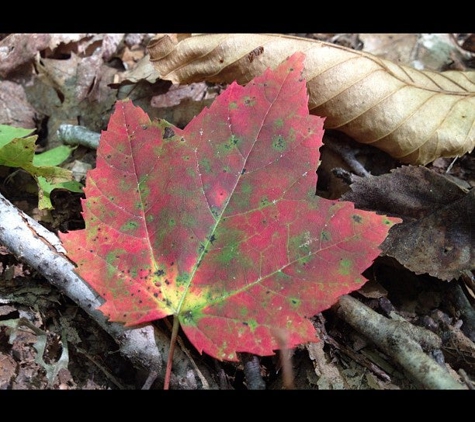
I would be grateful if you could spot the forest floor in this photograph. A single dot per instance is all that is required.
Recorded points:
(48, 342)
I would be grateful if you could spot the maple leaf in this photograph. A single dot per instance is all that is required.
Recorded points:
(218, 224)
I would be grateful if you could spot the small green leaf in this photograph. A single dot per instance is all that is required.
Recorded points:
(17, 149)
(53, 157)
(8, 133)
(45, 189)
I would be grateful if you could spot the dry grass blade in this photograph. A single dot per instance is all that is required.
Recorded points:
(415, 116)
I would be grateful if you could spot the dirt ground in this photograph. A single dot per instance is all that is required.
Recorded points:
(48, 342)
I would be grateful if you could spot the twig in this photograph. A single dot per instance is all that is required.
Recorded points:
(400, 340)
(252, 372)
(111, 377)
(78, 135)
(145, 346)
(362, 360)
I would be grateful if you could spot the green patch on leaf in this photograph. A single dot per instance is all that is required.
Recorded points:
(205, 165)
(345, 267)
(279, 123)
(294, 302)
(129, 226)
(249, 101)
(279, 143)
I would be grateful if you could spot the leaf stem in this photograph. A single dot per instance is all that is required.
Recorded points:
(173, 340)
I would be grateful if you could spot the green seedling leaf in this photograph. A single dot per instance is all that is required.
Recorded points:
(9, 133)
(17, 149)
(44, 200)
(218, 224)
(53, 157)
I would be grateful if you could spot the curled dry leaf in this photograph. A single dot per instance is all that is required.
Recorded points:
(415, 116)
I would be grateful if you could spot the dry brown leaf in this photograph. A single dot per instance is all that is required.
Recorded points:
(437, 235)
(415, 116)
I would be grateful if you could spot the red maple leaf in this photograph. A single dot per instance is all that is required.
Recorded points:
(218, 224)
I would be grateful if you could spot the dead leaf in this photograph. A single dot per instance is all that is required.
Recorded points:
(437, 236)
(8, 368)
(15, 110)
(18, 49)
(329, 378)
(415, 116)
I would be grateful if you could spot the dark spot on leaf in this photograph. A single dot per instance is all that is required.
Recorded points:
(245, 323)
(172, 263)
(159, 273)
(243, 171)
(356, 218)
(144, 127)
(155, 295)
(254, 53)
(212, 238)
(140, 301)
(167, 282)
